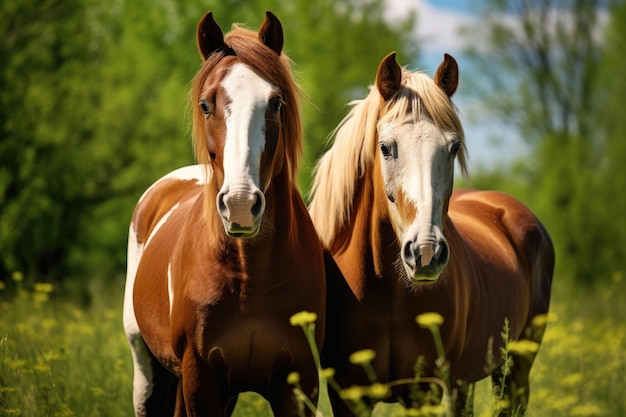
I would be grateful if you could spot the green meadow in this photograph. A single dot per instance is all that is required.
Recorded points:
(62, 358)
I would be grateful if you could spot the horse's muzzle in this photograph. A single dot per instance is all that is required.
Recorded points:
(424, 262)
(241, 211)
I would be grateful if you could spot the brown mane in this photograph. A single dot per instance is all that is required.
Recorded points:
(352, 154)
(277, 70)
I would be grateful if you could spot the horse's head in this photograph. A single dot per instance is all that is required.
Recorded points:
(239, 117)
(419, 138)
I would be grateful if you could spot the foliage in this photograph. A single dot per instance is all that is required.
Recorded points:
(60, 359)
(93, 98)
(337, 46)
(57, 359)
(611, 180)
(548, 73)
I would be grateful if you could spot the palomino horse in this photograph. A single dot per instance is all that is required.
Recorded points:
(223, 253)
(405, 244)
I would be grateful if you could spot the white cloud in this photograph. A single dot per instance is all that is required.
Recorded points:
(437, 28)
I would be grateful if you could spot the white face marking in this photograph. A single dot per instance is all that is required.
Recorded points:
(245, 126)
(417, 164)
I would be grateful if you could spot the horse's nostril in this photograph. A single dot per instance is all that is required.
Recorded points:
(221, 204)
(257, 207)
(443, 253)
(409, 256)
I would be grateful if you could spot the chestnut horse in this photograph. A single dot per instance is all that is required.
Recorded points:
(405, 243)
(222, 254)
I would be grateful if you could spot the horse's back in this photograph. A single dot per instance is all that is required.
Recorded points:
(491, 213)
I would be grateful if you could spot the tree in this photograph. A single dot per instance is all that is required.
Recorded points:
(93, 110)
(87, 122)
(337, 46)
(40, 106)
(541, 60)
(612, 122)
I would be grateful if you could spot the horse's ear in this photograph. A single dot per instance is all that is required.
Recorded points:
(389, 76)
(271, 33)
(210, 36)
(447, 75)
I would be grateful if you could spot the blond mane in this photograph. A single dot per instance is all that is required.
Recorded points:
(355, 142)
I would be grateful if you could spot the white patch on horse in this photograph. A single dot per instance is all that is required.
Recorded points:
(170, 288)
(200, 173)
(191, 172)
(142, 373)
(135, 249)
(160, 224)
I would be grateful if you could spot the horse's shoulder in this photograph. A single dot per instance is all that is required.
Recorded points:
(164, 196)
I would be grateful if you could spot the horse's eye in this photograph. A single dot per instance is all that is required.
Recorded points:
(275, 104)
(385, 150)
(204, 106)
(456, 147)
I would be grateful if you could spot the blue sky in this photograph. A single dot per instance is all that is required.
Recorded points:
(461, 5)
(490, 143)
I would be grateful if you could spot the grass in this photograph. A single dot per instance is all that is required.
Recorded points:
(60, 359)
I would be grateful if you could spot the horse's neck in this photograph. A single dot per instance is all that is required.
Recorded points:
(275, 234)
(366, 250)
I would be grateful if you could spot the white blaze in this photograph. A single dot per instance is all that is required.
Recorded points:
(245, 127)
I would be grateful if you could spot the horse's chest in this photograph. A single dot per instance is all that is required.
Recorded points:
(250, 347)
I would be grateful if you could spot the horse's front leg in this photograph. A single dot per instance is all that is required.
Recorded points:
(204, 387)
(283, 399)
(153, 384)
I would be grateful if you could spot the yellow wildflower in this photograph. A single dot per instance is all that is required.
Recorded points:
(328, 373)
(572, 380)
(587, 410)
(523, 347)
(303, 318)
(502, 404)
(293, 378)
(17, 276)
(361, 357)
(378, 391)
(354, 393)
(41, 367)
(433, 410)
(541, 320)
(44, 287)
(40, 297)
(428, 320)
